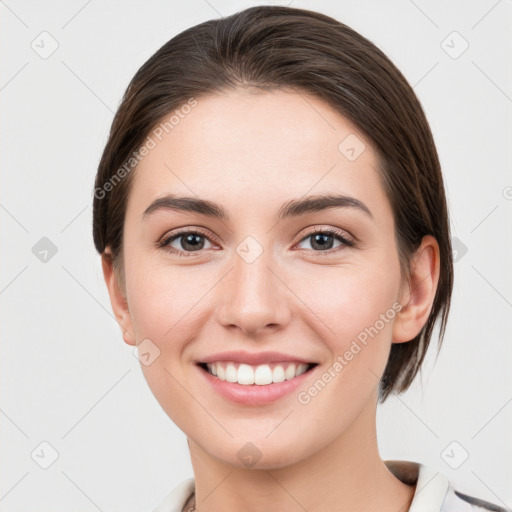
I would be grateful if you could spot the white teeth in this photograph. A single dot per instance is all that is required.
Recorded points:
(245, 375)
(290, 372)
(260, 375)
(263, 375)
(301, 369)
(231, 373)
(278, 374)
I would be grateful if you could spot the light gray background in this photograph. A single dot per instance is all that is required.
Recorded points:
(67, 377)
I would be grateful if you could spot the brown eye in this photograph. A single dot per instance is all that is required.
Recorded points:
(323, 240)
(185, 242)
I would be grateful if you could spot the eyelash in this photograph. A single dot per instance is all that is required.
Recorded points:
(338, 234)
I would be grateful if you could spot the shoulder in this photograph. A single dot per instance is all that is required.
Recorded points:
(435, 493)
(455, 500)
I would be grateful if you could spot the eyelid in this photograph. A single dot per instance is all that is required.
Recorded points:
(169, 236)
(187, 229)
(346, 239)
(330, 230)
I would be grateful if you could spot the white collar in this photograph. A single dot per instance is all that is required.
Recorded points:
(431, 485)
(430, 494)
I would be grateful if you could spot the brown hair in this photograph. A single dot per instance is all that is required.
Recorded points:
(272, 47)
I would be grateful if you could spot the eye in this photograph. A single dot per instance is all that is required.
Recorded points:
(322, 240)
(187, 242)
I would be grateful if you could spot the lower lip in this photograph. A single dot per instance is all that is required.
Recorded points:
(255, 394)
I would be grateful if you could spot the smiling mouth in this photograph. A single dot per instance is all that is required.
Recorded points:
(258, 375)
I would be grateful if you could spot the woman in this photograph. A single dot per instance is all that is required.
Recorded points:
(274, 234)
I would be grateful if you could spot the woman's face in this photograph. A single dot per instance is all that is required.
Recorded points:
(253, 281)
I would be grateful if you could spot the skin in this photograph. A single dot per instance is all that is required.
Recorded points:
(251, 152)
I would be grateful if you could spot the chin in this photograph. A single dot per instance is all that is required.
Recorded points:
(258, 453)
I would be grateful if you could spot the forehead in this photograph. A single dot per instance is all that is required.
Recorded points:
(245, 146)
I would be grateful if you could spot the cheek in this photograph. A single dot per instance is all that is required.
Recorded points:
(163, 299)
(164, 305)
(345, 301)
(353, 309)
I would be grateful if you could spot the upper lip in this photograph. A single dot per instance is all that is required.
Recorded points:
(253, 359)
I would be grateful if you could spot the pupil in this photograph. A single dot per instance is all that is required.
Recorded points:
(192, 239)
(317, 239)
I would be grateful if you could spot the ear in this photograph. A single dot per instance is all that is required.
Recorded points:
(418, 292)
(117, 298)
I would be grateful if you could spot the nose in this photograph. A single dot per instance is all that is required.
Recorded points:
(253, 298)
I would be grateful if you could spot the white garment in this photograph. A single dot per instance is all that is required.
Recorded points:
(434, 493)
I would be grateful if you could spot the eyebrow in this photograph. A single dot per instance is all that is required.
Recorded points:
(292, 208)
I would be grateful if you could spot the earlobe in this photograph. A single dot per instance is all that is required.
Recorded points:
(118, 298)
(418, 292)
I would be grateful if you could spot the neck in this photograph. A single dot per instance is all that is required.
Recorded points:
(346, 474)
